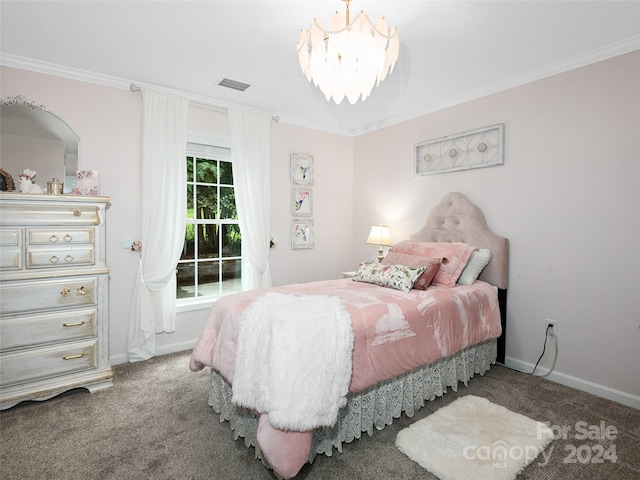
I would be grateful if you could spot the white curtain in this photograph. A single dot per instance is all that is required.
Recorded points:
(163, 200)
(250, 135)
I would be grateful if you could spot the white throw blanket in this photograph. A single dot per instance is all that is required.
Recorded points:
(293, 359)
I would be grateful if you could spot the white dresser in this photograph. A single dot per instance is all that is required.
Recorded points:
(54, 287)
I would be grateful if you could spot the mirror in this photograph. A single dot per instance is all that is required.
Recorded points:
(35, 138)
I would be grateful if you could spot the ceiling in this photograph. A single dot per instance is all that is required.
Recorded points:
(450, 51)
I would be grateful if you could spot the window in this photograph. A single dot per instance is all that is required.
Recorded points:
(212, 255)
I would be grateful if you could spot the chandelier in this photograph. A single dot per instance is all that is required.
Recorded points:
(348, 59)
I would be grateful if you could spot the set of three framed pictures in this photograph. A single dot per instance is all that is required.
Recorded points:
(302, 173)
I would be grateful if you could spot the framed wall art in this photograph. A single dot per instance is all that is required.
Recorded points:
(301, 169)
(483, 147)
(88, 182)
(301, 233)
(301, 202)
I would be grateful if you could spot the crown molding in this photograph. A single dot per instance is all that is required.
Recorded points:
(71, 73)
(613, 50)
(47, 68)
(587, 58)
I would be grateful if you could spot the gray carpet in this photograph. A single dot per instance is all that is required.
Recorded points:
(156, 424)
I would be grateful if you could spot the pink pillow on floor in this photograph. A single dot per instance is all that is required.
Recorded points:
(432, 265)
(454, 257)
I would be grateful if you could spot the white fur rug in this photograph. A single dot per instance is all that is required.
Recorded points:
(472, 438)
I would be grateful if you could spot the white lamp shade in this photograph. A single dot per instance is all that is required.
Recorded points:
(379, 235)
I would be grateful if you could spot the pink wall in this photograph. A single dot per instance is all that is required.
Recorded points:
(567, 197)
(107, 121)
(332, 205)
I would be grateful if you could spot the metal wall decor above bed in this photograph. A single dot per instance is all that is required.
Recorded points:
(483, 147)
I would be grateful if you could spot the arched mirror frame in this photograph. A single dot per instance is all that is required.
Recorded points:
(39, 140)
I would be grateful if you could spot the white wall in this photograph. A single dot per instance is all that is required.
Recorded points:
(567, 197)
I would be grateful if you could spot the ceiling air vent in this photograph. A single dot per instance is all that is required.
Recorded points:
(234, 84)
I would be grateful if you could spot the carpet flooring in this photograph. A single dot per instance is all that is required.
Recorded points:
(156, 424)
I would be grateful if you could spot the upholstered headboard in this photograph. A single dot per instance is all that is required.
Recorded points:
(456, 219)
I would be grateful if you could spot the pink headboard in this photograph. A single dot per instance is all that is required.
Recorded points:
(456, 219)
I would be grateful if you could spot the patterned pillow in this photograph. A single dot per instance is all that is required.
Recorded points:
(399, 277)
(432, 266)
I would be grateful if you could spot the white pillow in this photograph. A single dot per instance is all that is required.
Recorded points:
(479, 259)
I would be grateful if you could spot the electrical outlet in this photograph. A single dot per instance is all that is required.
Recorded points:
(554, 325)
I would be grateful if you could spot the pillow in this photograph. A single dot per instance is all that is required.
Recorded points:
(399, 277)
(479, 259)
(432, 265)
(454, 257)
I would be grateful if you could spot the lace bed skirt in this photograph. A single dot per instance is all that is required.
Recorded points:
(374, 407)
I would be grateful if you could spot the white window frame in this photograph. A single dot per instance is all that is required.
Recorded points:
(218, 150)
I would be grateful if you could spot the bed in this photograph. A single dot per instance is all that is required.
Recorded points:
(381, 344)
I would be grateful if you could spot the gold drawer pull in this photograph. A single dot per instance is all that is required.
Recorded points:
(68, 259)
(67, 238)
(54, 259)
(65, 292)
(81, 291)
(73, 324)
(71, 357)
(53, 239)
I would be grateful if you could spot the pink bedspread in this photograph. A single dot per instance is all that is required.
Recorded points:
(394, 332)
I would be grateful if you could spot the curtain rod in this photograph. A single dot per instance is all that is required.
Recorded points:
(216, 108)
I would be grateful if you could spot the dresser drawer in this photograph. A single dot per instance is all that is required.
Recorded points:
(65, 256)
(49, 213)
(34, 296)
(37, 363)
(59, 236)
(25, 331)
(10, 258)
(48, 248)
(11, 248)
(10, 237)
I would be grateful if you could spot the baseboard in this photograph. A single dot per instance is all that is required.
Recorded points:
(577, 383)
(162, 350)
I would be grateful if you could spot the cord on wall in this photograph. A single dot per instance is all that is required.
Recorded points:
(549, 332)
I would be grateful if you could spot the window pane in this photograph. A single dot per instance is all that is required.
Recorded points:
(206, 170)
(208, 241)
(208, 278)
(189, 169)
(231, 276)
(228, 203)
(231, 241)
(190, 209)
(226, 173)
(207, 202)
(189, 248)
(186, 280)
(209, 235)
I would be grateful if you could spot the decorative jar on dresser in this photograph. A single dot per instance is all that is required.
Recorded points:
(54, 286)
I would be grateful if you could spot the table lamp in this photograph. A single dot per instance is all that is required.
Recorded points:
(379, 235)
